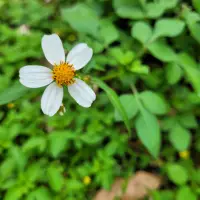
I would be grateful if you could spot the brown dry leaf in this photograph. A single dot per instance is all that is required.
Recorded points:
(137, 187)
(140, 184)
(116, 191)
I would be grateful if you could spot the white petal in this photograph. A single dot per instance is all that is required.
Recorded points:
(82, 93)
(34, 76)
(76, 49)
(80, 55)
(52, 99)
(53, 49)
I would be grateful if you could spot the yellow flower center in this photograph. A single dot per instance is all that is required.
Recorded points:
(64, 74)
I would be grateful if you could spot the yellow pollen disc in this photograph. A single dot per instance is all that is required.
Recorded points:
(64, 74)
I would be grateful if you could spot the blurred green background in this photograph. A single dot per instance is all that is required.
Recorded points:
(146, 75)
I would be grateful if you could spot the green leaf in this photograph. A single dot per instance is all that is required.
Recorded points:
(12, 93)
(177, 174)
(185, 192)
(73, 185)
(141, 10)
(35, 143)
(191, 17)
(168, 123)
(122, 57)
(154, 10)
(19, 157)
(196, 4)
(173, 73)
(162, 51)
(148, 129)
(188, 120)
(81, 18)
(186, 61)
(168, 28)
(34, 172)
(169, 4)
(127, 57)
(56, 180)
(180, 137)
(154, 103)
(141, 31)
(40, 193)
(138, 68)
(195, 176)
(148, 132)
(128, 9)
(130, 106)
(7, 167)
(191, 70)
(155, 195)
(166, 195)
(153, 79)
(194, 29)
(91, 138)
(114, 99)
(192, 20)
(58, 142)
(14, 193)
(108, 32)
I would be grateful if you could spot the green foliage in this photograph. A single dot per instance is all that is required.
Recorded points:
(12, 93)
(145, 72)
(154, 103)
(162, 51)
(79, 16)
(177, 174)
(180, 137)
(191, 69)
(148, 131)
(131, 107)
(173, 73)
(168, 28)
(141, 31)
(55, 178)
(115, 101)
(186, 193)
(147, 128)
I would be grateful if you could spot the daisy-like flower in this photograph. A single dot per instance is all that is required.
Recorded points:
(62, 74)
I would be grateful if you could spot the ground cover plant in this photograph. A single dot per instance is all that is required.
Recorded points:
(143, 126)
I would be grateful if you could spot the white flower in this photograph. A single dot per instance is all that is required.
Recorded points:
(62, 74)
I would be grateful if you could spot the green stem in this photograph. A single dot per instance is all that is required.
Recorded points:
(142, 4)
(144, 48)
(140, 53)
(134, 90)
